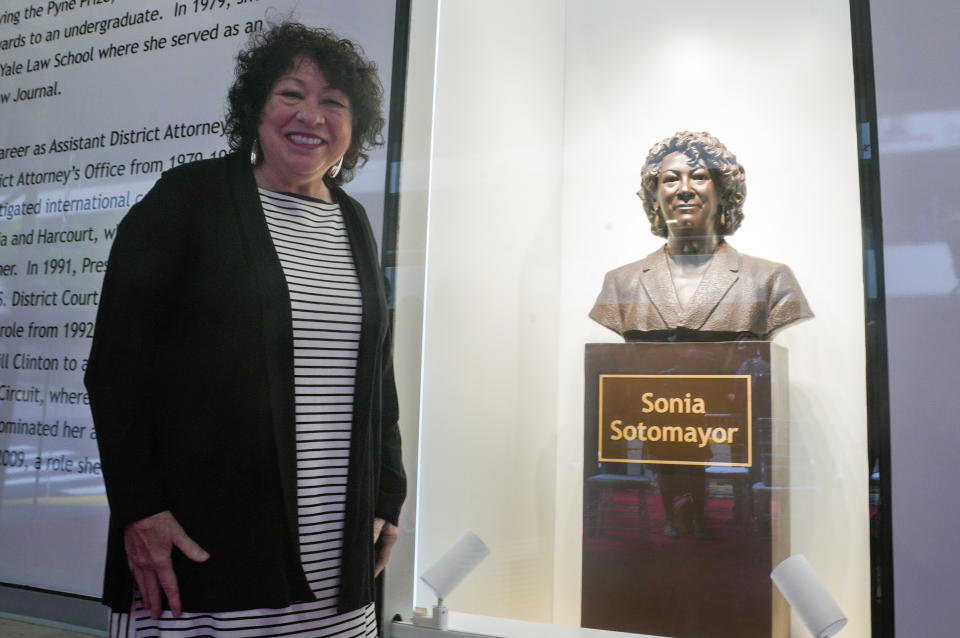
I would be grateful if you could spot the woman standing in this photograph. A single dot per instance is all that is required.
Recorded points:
(240, 377)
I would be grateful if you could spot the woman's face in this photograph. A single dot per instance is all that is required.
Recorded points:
(687, 197)
(305, 129)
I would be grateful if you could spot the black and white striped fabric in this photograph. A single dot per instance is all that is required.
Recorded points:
(311, 240)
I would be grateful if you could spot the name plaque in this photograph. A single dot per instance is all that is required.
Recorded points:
(697, 419)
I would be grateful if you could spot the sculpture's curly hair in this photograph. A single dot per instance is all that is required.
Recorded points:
(726, 172)
(271, 53)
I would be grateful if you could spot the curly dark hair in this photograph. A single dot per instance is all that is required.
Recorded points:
(726, 172)
(271, 53)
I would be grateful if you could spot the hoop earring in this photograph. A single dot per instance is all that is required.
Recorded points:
(723, 221)
(254, 153)
(335, 169)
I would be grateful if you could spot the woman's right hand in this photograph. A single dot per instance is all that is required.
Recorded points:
(149, 543)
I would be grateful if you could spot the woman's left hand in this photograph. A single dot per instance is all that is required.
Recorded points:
(387, 534)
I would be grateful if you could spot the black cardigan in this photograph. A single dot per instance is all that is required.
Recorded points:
(192, 393)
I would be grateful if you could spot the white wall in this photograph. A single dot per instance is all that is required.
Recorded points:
(488, 420)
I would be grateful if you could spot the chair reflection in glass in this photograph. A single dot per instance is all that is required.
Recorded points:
(605, 502)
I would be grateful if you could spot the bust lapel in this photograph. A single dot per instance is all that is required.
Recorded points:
(657, 283)
(723, 272)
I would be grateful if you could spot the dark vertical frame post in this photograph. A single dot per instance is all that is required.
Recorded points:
(391, 187)
(878, 392)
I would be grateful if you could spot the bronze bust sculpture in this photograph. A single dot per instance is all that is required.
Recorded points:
(697, 287)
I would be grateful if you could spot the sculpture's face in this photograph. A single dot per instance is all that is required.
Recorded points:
(687, 196)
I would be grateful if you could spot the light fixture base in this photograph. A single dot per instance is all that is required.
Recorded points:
(438, 620)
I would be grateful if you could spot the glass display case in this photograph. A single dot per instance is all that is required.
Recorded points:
(526, 129)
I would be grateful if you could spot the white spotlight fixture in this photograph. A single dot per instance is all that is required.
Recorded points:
(806, 594)
(444, 576)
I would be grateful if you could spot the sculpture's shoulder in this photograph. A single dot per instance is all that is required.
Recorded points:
(622, 295)
(630, 272)
(765, 271)
(760, 266)
(784, 297)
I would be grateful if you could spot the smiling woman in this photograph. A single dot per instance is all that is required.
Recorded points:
(305, 131)
(340, 66)
(264, 446)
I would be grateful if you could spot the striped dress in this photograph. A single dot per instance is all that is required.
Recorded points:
(311, 240)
